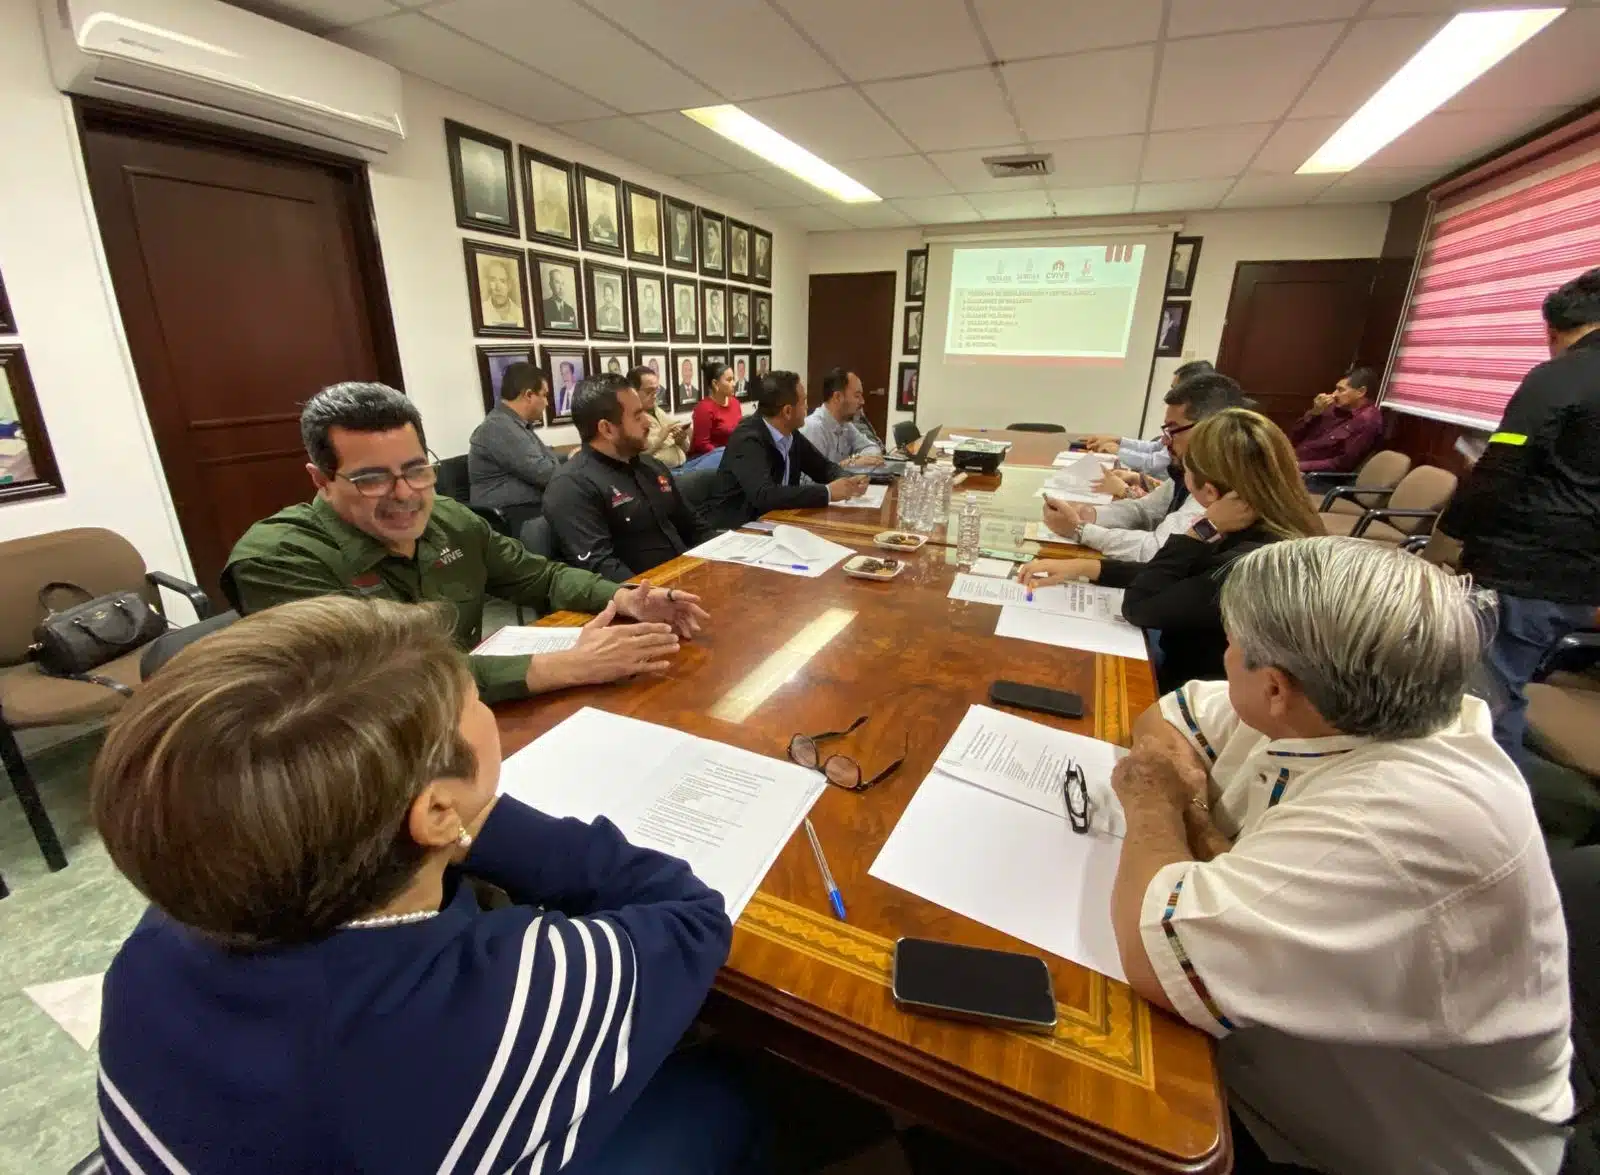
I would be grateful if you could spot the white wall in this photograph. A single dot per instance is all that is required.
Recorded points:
(427, 280)
(1266, 234)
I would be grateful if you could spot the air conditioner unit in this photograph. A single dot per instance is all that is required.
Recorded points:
(206, 60)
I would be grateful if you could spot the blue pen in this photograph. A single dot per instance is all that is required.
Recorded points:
(834, 898)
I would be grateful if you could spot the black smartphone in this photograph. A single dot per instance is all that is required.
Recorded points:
(1036, 697)
(971, 983)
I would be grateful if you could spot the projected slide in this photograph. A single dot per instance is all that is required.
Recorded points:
(1059, 302)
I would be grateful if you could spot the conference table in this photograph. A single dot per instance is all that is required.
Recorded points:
(1118, 1085)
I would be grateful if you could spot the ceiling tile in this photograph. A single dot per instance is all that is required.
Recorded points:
(1292, 144)
(1192, 18)
(816, 220)
(939, 210)
(737, 185)
(1448, 6)
(837, 124)
(634, 141)
(948, 111)
(1105, 201)
(317, 16)
(1079, 97)
(417, 45)
(1364, 60)
(880, 215)
(1556, 68)
(1184, 196)
(1026, 28)
(1020, 205)
(1445, 140)
(577, 47)
(685, 130)
(901, 175)
(890, 38)
(1202, 154)
(1274, 191)
(716, 40)
(1088, 163)
(1377, 185)
(966, 171)
(1239, 77)
(795, 191)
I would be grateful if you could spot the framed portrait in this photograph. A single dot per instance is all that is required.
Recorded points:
(644, 223)
(714, 312)
(600, 202)
(608, 300)
(28, 466)
(548, 203)
(916, 275)
(659, 362)
(8, 323)
(760, 257)
(492, 364)
(567, 367)
(682, 247)
(761, 326)
(1181, 269)
(480, 180)
(762, 361)
(683, 294)
(611, 361)
(497, 288)
(744, 383)
(558, 295)
(686, 390)
(647, 290)
(905, 397)
(713, 242)
(911, 331)
(738, 250)
(738, 315)
(1174, 325)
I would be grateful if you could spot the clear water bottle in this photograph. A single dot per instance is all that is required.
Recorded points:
(933, 494)
(947, 486)
(970, 534)
(905, 517)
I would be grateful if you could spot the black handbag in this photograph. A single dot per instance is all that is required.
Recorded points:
(80, 638)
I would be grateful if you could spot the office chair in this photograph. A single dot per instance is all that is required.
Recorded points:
(905, 432)
(1035, 426)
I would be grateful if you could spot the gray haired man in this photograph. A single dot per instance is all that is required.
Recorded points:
(1332, 868)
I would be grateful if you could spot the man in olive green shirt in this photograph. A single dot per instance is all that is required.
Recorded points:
(375, 528)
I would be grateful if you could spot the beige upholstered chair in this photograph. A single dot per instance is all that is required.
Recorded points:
(100, 562)
(1564, 720)
(1413, 507)
(1381, 471)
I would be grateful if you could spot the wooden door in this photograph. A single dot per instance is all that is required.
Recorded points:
(248, 279)
(1293, 328)
(852, 326)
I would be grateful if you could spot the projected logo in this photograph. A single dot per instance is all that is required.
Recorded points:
(1118, 253)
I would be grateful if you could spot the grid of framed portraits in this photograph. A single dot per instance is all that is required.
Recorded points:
(615, 267)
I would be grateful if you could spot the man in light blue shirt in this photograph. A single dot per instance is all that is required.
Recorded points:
(830, 428)
(1140, 456)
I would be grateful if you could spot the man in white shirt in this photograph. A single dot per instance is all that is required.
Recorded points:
(1331, 867)
(1136, 528)
(1141, 456)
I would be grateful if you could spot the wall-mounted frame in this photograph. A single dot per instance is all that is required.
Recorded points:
(549, 205)
(762, 362)
(761, 326)
(611, 361)
(916, 275)
(600, 202)
(713, 312)
(1174, 325)
(558, 295)
(761, 257)
(744, 384)
(644, 223)
(911, 331)
(497, 289)
(481, 180)
(28, 466)
(492, 364)
(713, 242)
(683, 301)
(658, 360)
(905, 396)
(683, 250)
(8, 322)
(738, 315)
(647, 294)
(738, 250)
(686, 389)
(1183, 265)
(606, 287)
(567, 367)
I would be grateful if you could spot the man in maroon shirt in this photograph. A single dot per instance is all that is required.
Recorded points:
(1342, 427)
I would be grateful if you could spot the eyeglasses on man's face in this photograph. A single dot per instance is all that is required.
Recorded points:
(840, 770)
(380, 483)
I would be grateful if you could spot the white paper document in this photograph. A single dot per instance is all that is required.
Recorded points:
(994, 568)
(520, 641)
(1038, 532)
(726, 811)
(1073, 493)
(1087, 601)
(872, 499)
(979, 589)
(1115, 638)
(775, 552)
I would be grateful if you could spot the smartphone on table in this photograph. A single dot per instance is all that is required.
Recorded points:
(973, 983)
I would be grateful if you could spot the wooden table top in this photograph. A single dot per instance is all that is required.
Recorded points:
(1130, 1086)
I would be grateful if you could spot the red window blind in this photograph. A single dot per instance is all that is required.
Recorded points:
(1472, 328)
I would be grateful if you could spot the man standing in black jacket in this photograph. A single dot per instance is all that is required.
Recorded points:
(766, 456)
(1529, 514)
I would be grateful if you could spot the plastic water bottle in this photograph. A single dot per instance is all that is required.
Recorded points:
(970, 534)
(905, 517)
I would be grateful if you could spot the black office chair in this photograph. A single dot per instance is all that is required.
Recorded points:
(905, 432)
(454, 482)
(169, 644)
(1578, 878)
(696, 486)
(537, 536)
(1035, 426)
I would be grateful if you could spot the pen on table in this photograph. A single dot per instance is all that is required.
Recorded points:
(834, 898)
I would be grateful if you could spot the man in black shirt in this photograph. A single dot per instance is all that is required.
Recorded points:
(615, 511)
(766, 456)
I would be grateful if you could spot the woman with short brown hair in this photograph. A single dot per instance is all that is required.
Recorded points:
(300, 796)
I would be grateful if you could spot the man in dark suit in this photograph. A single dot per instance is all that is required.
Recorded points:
(557, 310)
(766, 456)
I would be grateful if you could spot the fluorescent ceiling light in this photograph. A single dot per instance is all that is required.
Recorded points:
(734, 124)
(1470, 45)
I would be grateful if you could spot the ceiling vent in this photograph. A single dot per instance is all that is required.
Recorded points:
(1005, 167)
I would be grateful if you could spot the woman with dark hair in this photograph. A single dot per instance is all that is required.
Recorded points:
(715, 418)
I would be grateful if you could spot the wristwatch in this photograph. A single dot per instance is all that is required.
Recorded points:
(1204, 531)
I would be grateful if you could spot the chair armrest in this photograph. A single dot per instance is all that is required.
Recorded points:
(1372, 516)
(495, 519)
(1415, 543)
(1587, 639)
(198, 600)
(1351, 491)
(1327, 477)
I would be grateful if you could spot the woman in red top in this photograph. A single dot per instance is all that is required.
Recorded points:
(716, 416)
